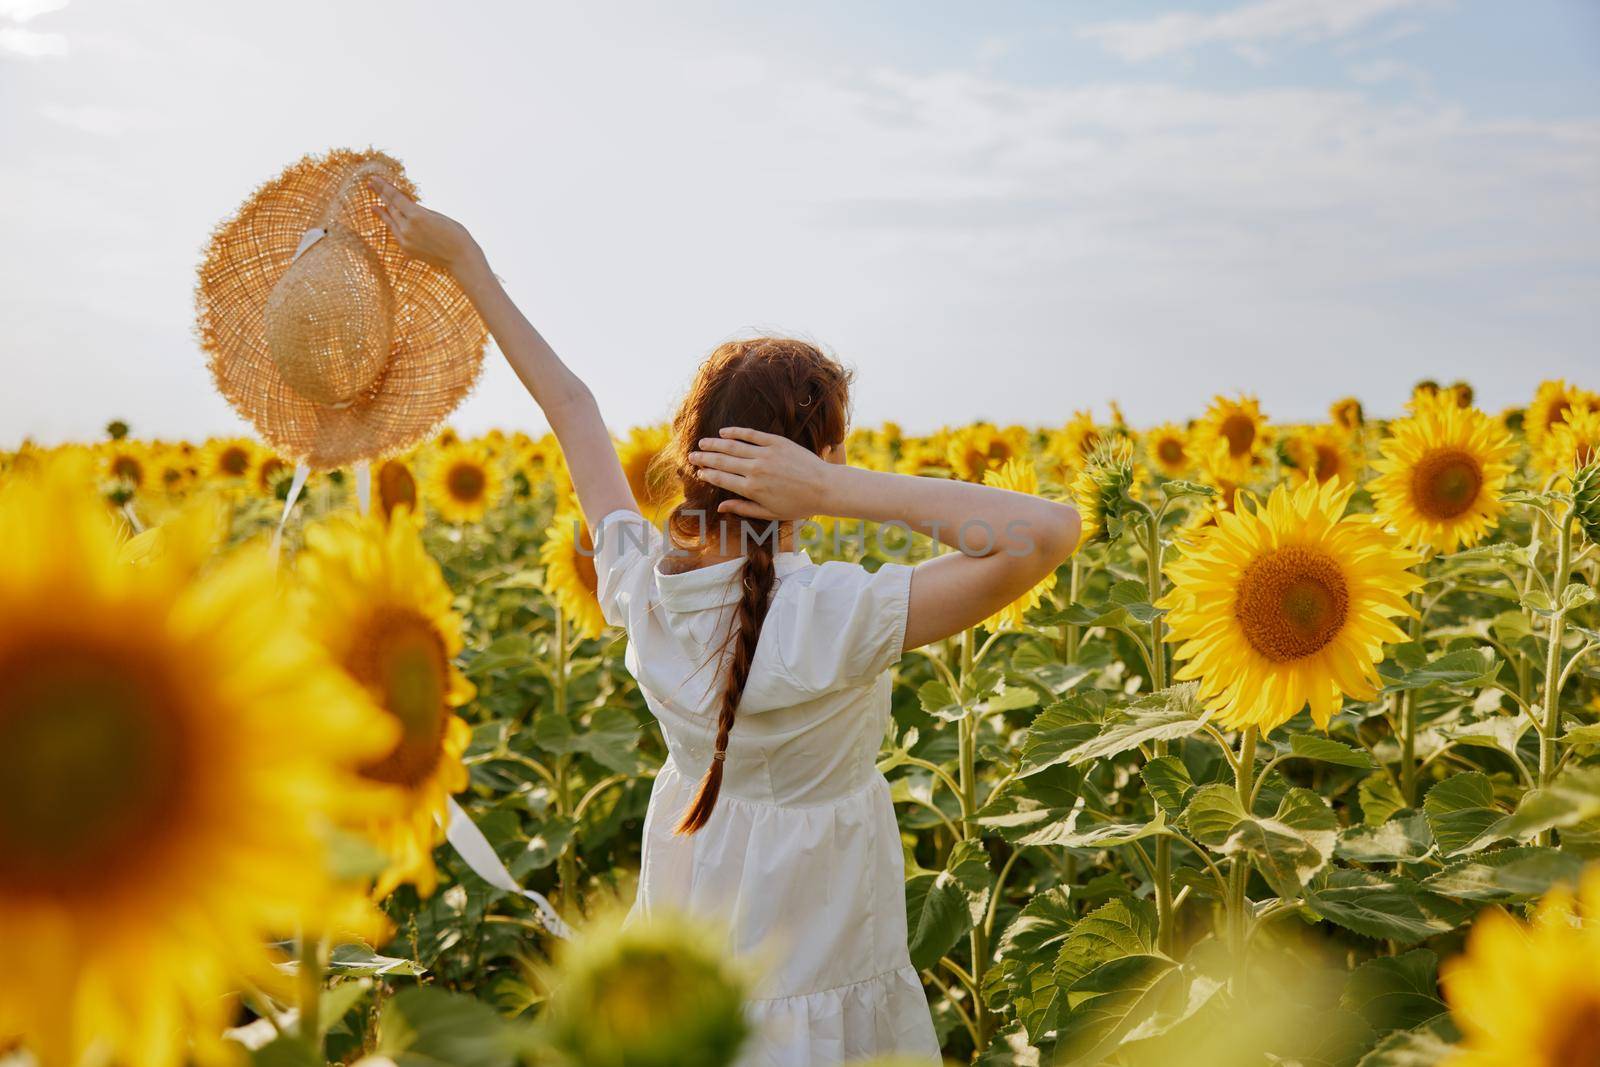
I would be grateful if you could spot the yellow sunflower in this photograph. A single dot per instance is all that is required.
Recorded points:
(975, 450)
(1230, 438)
(1019, 476)
(1322, 453)
(379, 604)
(462, 483)
(1073, 443)
(1575, 441)
(569, 574)
(1441, 476)
(1288, 604)
(1167, 447)
(641, 455)
(1528, 995)
(169, 749)
(1347, 414)
(1551, 402)
(125, 461)
(270, 474)
(227, 459)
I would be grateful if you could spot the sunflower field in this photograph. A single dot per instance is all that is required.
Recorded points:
(1296, 761)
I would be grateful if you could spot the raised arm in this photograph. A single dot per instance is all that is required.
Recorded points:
(567, 403)
(1007, 542)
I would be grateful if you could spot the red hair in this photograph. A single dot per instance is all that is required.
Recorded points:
(783, 387)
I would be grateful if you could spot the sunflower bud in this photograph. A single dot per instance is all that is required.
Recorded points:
(1104, 489)
(657, 993)
(1586, 499)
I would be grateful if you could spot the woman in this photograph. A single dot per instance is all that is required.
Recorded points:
(769, 674)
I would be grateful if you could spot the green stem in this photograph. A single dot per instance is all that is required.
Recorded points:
(1070, 635)
(1552, 663)
(1165, 932)
(567, 862)
(1239, 871)
(967, 743)
(311, 992)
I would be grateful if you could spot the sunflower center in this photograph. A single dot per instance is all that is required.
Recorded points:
(396, 487)
(1292, 602)
(401, 660)
(1240, 431)
(466, 482)
(1575, 1039)
(1170, 451)
(1327, 462)
(234, 461)
(92, 763)
(1445, 483)
(269, 471)
(128, 469)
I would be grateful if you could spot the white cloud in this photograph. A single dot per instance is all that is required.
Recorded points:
(1247, 29)
(31, 44)
(24, 10)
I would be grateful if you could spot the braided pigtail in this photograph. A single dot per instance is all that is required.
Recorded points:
(748, 617)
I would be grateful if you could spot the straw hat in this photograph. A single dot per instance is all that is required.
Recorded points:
(333, 342)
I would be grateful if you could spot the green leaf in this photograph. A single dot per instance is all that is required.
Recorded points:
(968, 864)
(1212, 814)
(1410, 1048)
(1108, 1002)
(1327, 750)
(1507, 874)
(612, 740)
(1072, 832)
(284, 1052)
(1459, 810)
(940, 701)
(937, 915)
(1168, 781)
(1163, 716)
(1380, 799)
(1291, 847)
(1060, 728)
(355, 960)
(1384, 906)
(1403, 840)
(1174, 488)
(423, 1026)
(1122, 926)
(1396, 992)
(1467, 668)
(1573, 798)
(1027, 952)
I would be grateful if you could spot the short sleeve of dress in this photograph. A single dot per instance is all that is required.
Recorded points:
(625, 549)
(845, 626)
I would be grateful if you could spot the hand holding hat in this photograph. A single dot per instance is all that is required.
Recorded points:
(434, 238)
(333, 328)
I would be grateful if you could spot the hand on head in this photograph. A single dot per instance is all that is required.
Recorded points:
(777, 478)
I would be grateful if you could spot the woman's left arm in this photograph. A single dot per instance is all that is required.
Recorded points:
(567, 402)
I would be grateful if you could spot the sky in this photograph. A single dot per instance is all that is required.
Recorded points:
(1003, 211)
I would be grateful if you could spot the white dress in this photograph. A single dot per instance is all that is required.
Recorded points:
(802, 856)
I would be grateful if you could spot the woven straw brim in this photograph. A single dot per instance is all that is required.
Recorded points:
(436, 349)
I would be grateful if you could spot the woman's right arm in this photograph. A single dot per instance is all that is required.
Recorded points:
(1007, 542)
(566, 401)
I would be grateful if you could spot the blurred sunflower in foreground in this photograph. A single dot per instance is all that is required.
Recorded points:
(1528, 995)
(169, 748)
(378, 603)
(1441, 476)
(656, 992)
(1286, 605)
